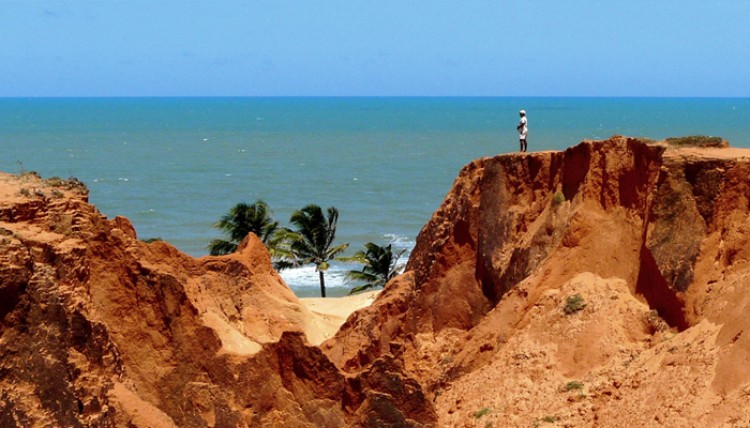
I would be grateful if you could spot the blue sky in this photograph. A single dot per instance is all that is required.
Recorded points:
(382, 48)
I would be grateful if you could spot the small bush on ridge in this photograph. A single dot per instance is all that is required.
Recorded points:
(574, 304)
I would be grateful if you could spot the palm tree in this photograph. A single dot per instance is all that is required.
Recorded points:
(380, 266)
(241, 220)
(312, 242)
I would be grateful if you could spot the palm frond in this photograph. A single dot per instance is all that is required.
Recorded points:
(245, 218)
(282, 264)
(333, 218)
(356, 275)
(360, 288)
(358, 257)
(335, 251)
(380, 265)
(219, 247)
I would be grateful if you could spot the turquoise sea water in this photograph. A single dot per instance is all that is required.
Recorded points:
(173, 166)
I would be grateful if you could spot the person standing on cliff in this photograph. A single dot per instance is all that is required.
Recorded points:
(523, 130)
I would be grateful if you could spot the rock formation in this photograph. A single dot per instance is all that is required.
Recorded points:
(599, 286)
(604, 285)
(101, 329)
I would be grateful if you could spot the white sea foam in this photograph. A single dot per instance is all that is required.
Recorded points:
(307, 277)
(400, 241)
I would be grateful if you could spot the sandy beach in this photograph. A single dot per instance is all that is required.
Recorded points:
(332, 312)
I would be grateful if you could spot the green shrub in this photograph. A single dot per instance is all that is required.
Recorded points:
(55, 181)
(26, 176)
(697, 141)
(574, 304)
(573, 384)
(545, 420)
(557, 199)
(478, 414)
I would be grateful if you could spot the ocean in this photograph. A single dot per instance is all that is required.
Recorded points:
(173, 166)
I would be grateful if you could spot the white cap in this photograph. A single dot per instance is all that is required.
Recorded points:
(523, 112)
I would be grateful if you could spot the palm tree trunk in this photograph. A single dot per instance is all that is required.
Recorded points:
(322, 284)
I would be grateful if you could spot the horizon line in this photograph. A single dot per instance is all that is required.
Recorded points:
(21, 97)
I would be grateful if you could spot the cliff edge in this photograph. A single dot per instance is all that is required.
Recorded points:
(603, 285)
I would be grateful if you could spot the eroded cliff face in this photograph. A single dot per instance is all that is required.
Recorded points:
(101, 329)
(605, 285)
(654, 241)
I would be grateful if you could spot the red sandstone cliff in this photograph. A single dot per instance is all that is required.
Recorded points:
(653, 239)
(604, 285)
(101, 329)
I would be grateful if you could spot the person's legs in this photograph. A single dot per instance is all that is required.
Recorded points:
(523, 145)
(520, 145)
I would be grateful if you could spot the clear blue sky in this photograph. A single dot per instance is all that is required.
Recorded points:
(383, 47)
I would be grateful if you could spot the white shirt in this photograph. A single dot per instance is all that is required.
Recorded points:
(524, 128)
